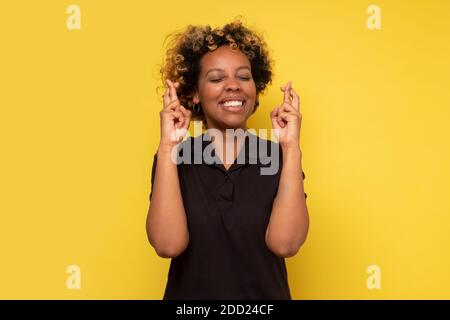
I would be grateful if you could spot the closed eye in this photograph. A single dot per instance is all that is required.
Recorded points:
(242, 78)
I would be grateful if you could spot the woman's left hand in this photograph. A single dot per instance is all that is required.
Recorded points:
(286, 119)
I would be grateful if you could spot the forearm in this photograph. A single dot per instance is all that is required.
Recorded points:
(166, 221)
(289, 221)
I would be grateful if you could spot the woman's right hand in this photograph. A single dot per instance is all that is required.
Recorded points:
(175, 118)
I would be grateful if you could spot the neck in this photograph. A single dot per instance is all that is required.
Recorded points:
(230, 141)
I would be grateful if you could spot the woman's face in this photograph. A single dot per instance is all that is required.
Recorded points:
(225, 74)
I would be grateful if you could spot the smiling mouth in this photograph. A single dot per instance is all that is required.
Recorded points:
(234, 104)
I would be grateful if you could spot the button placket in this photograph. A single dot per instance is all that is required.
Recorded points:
(225, 201)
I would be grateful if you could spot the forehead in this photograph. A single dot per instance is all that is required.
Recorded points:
(224, 58)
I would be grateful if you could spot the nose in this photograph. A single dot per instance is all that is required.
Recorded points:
(232, 85)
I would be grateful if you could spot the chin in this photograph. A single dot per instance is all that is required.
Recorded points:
(233, 123)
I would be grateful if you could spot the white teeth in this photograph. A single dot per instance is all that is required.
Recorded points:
(232, 104)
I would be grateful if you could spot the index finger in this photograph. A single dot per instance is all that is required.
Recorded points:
(287, 92)
(172, 91)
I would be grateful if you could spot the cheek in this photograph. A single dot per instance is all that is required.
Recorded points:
(212, 92)
(250, 89)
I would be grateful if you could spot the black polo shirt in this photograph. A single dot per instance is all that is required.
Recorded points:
(227, 215)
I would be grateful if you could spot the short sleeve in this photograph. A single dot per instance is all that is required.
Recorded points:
(153, 175)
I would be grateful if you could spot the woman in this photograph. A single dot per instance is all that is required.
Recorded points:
(226, 226)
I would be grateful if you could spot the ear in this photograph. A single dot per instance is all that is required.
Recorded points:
(196, 99)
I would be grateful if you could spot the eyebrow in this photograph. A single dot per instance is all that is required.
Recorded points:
(219, 69)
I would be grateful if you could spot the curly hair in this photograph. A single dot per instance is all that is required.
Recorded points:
(186, 48)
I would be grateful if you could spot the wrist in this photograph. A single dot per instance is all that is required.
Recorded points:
(165, 149)
(293, 152)
(295, 149)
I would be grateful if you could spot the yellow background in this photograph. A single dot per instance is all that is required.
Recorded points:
(79, 126)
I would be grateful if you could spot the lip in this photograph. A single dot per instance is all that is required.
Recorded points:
(232, 98)
(234, 109)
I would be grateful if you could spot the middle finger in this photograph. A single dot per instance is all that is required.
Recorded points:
(166, 97)
(295, 100)
(287, 107)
